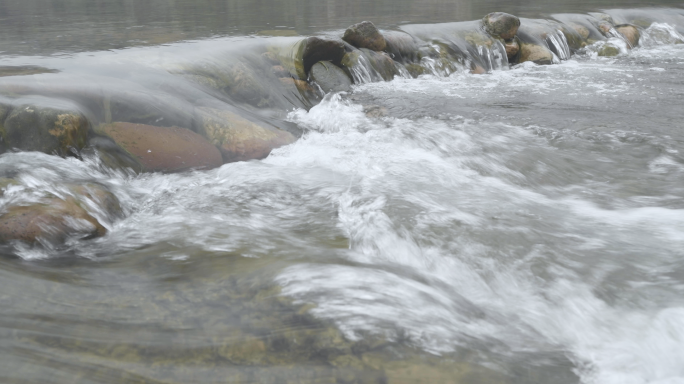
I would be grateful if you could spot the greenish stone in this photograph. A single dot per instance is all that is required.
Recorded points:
(45, 129)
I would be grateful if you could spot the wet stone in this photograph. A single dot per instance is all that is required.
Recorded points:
(45, 129)
(365, 35)
(316, 49)
(51, 222)
(501, 25)
(536, 54)
(401, 46)
(301, 85)
(512, 48)
(381, 63)
(330, 77)
(239, 139)
(163, 149)
(415, 70)
(608, 50)
(630, 33)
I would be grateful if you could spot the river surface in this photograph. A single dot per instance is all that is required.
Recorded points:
(522, 226)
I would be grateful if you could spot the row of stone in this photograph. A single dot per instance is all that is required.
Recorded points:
(222, 136)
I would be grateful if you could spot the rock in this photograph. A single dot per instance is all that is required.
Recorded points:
(330, 77)
(299, 58)
(98, 198)
(512, 48)
(501, 25)
(536, 54)
(401, 46)
(630, 33)
(45, 129)
(158, 149)
(365, 35)
(477, 70)
(301, 85)
(381, 63)
(239, 139)
(146, 108)
(580, 29)
(280, 71)
(374, 111)
(270, 57)
(53, 221)
(608, 50)
(415, 70)
(245, 84)
(605, 28)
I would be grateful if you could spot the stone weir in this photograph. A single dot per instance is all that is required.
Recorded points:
(232, 109)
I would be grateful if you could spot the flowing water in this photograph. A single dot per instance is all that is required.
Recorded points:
(522, 226)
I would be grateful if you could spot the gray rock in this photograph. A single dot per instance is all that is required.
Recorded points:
(365, 35)
(330, 77)
(501, 25)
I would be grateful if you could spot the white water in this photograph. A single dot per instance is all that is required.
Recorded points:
(511, 231)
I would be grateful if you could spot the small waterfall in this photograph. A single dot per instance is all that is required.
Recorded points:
(363, 73)
(403, 72)
(558, 44)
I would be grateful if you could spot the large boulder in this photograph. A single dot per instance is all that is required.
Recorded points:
(365, 35)
(330, 77)
(239, 139)
(162, 149)
(535, 53)
(630, 33)
(45, 129)
(302, 55)
(501, 25)
(53, 221)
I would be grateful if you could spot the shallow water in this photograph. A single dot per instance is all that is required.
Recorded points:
(523, 226)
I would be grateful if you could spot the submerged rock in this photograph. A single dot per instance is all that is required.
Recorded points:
(536, 54)
(608, 50)
(365, 35)
(381, 63)
(301, 85)
(52, 221)
(45, 129)
(512, 49)
(501, 25)
(239, 139)
(330, 77)
(630, 33)
(162, 149)
(415, 70)
(401, 46)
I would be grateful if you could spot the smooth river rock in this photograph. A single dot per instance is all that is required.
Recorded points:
(630, 33)
(365, 35)
(52, 221)
(239, 139)
(330, 77)
(163, 149)
(536, 54)
(44, 129)
(501, 25)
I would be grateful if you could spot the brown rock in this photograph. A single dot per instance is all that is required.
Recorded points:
(477, 70)
(512, 48)
(630, 33)
(501, 25)
(536, 54)
(301, 85)
(157, 149)
(365, 35)
(581, 30)
(53, 221)
(239, 139)
(280, 71)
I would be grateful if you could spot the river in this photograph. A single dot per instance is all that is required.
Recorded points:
(520, 226)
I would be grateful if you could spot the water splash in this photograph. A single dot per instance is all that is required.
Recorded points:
(558, 44)
(660, 34)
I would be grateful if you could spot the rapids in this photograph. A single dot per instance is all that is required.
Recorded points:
(521, 226)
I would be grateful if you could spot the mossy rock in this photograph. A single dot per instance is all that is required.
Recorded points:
(162, 149)
(608, 50)
(382, 63)
(365, 35)
(501, 25)
(239, 139)
(330, 77)
(415, 70)
(45, 129)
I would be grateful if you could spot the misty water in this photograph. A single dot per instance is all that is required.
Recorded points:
(520, 226)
